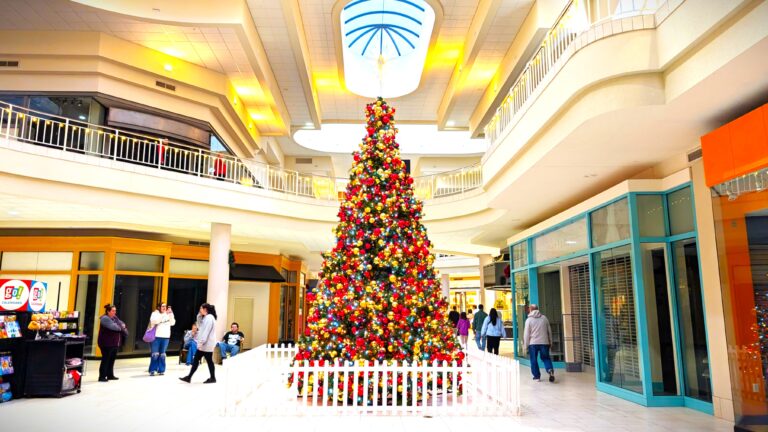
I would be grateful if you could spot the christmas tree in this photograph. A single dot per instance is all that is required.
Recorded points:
(378, 298)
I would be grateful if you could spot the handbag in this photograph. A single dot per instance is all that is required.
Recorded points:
(149, 335)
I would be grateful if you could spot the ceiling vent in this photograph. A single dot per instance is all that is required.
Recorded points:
(199, 243)
(9, 63)
(170, 87)
(303, 160)
(692, 156)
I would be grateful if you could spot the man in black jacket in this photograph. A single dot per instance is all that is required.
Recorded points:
(453, 316)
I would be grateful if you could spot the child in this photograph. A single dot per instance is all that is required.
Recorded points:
(463, 327)
(189, 343)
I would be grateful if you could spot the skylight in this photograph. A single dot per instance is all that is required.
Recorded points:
(384, 45)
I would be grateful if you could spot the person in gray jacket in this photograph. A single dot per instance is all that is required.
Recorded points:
(537, 338)
(206, 342)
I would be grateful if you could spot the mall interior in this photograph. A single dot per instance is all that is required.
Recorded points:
(604, 159)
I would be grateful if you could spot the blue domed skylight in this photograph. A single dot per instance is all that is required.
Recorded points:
(385, 45)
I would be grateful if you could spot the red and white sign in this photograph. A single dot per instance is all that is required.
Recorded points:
(22, 295)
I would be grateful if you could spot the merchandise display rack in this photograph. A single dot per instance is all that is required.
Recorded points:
(59, 361)
(13, 349)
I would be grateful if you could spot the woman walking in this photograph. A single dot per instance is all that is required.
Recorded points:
(463, 328)
(492, 330)
(206, 342)
(111, 333)
(162, 318)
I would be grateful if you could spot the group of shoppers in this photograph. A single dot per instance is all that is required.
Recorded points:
(200, 340)
(488, 329)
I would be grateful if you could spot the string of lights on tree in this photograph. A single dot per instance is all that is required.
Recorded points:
(378, 298)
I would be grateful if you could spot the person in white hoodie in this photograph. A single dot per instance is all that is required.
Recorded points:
(537, 338)
(163, 319)
(206, 342)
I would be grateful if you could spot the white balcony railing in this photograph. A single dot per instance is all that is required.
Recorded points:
(577, 18)
(70, 135)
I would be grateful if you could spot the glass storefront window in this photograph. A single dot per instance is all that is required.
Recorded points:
(562, 241)
(139, 262)
(48, 261)
(522, 300)
(740, 209)
(617, 329)
(551, 305)
(136, 298)
(91, 260)
(661, 341)
(185, 297)
(680, 211)
(690, 310)
(88, 302)
(610, 223)
(73, 107)
(650, 216)
(188, 267)
(520, 255)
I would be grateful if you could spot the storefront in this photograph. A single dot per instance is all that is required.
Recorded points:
(85, 273)
(736, 170)
(618, 277)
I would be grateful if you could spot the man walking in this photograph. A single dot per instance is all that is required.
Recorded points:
(477, 327)
(537, 338)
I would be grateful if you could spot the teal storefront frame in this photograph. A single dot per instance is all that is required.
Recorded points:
(635, 242)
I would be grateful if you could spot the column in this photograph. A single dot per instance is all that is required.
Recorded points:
(445, 282)
(218, 274)
(484, 260)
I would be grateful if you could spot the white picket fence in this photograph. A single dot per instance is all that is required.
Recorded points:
(257, 383)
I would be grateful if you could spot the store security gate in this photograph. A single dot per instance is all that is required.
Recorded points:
(581, 314)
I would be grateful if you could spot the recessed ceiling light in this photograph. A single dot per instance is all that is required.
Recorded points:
(309, 125)
(450, 123)
(168, 67)
(81, 117)
(13, 212)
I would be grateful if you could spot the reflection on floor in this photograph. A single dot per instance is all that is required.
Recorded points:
(138, 402)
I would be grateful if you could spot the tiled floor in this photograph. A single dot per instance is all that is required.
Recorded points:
(138, 402)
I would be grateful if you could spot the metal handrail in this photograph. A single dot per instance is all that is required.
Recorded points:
(577, 18)
(70, 135)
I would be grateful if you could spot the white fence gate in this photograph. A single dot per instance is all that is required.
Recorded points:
(257, 383)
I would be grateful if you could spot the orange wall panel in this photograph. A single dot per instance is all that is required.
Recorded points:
(749, 142)
(718, 159)
(737, 148)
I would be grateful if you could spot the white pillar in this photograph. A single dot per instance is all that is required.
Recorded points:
(218, 274)
(445, 282)
(484, 260)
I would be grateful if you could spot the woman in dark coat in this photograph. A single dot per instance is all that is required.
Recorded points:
(111, 333)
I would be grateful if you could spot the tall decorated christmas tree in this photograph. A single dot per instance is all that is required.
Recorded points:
(378, 298)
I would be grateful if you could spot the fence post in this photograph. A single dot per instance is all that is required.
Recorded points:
(117, 143)
(66, 133)
(199, 162)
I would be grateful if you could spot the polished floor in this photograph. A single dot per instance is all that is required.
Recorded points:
(138, 402)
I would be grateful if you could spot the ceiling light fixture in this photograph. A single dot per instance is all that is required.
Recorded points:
(81, 117)
(168, 67)
(13, 212)
(450, 123)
